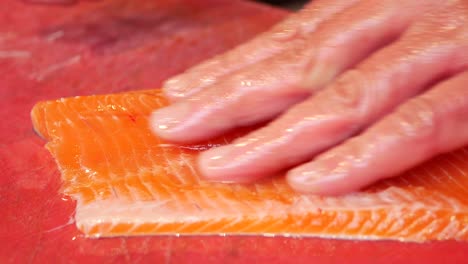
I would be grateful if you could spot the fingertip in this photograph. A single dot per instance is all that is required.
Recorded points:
(211, 162)
(314, 179)
(174, 88)
(166, 121)
(303, 181)
(219, 165)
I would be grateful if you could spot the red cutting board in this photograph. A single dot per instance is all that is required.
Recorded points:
(118, 45)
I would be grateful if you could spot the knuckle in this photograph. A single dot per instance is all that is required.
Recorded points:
(348, 93)
(418, 119)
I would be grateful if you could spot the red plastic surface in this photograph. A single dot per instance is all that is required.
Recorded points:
(118, 45)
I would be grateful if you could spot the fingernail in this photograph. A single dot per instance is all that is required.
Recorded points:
(162, 121)
(213, 160)
(308, 178)
(174, 87)
(318, 76)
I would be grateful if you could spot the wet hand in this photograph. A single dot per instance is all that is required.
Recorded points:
(357, 91)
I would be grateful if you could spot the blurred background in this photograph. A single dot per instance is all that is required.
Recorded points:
(289, 4)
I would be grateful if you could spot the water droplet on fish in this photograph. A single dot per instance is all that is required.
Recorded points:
(246, 83)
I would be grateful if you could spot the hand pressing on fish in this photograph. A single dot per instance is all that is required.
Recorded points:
(356, 91)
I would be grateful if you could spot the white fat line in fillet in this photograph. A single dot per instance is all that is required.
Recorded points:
(186, 162)
(111, 185)
(368, 221)
(205, 227)
(403, 180)
(351, 201)
(218, 205)
(127, 137)
(158, 102)
(148, 156)
(173, 169)
(107, 136)
(460, 157)
(429, 199)
(365, 200)
(149, 104)
(401, 196)
(155, 227)
(387, 220)
(167, 194)
(260, 189)
(134, 158)
(252, 224)
(231, 222)
(422, 219)
(280, 188)
(302, 204)
(181, 226)
(272, 221)
(356, 221)
(245, 204)
(340, 203)
(451, 202)
(448, 203)
(416, 179)
(180, 201)
(397, 223)
(386, 184)
(202, 203)
(420, 175)
(464, 231)
(71, 111)
(339, 216)
(130, 229)
(450, 230)
(440, 185)
(119, 124)
(104, 129)
(454, 179)
(145, 185)
(374, 221)
(49, 127)
(87, 224)
(133, 191)
(180, 160)
(430, 228)
(228, 206)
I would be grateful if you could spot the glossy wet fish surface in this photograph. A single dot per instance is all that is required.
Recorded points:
(128, 182)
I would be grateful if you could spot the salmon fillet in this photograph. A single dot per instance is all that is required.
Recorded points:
(127, 181)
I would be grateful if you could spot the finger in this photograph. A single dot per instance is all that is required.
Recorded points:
(256, 93)
(281, 37)
(433, 123)
(261, 91)
(361, 96)
(348, 38)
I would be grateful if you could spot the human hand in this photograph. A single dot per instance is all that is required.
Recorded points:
(358, 91)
